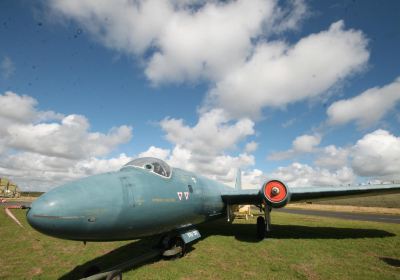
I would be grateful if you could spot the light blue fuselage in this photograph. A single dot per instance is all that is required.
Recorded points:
(127, 204)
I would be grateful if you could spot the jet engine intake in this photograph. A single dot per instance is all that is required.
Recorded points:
(275, 193)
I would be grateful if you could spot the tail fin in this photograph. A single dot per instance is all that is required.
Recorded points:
(238, 183)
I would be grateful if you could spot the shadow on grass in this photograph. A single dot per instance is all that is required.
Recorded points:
(391, 261)
(116, 257)
(247, 232)
(110, 259)
(242, 232)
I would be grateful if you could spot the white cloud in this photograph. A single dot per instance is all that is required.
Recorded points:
(95, 165)
(213, 133)
(202, 147)
(226, 44)
(306, 143)
(208, 42)
(44, 148)
(332, 157)
(127, 26)
(253, 179)
(33, 171)
(275, 74)
(299, 175)
(377, 154)
(69, 139)
(251, 147)
(17, 108)
(156, 152)
(220, 167)
(42, 155)
(7, 67)
(184, 40)
(302, 144)
(367, 108)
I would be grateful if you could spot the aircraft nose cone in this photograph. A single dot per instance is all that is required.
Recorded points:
(53, 213)
(44, 213)
(86, 209)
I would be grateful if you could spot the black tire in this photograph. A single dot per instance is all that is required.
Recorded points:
(261, 228)
(178, 242)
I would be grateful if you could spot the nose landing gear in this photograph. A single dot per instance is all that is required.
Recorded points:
(176, 248)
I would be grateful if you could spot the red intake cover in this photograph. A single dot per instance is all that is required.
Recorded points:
(275, 191)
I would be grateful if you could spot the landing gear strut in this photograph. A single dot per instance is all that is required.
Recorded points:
(264, 223)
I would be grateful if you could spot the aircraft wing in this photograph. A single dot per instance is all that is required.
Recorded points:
(297, 194)
(249, 196)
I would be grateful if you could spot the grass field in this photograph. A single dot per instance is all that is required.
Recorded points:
(387, 200)
(301, 247)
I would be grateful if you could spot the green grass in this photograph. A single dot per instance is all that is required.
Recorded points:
(388, 200)
(301, 247)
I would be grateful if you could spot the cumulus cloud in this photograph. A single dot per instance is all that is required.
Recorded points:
(251, 147)
(226, 44)
(202, 147)
(208, 42)
(221, 167)
(187, 40)
(213, 133)
(306, 143)
(300, 175)
(17, 108)
(275, 74)
(47, 148)
(37, 172)
(69, 139)
(332, 157)
(367, 108)
(156, 152)
(377, 154)
(302, 144)
(40, 155)
(253, 179)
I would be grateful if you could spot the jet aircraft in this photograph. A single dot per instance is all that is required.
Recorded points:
(147, 197)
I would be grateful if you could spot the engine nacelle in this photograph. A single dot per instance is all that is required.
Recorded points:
(275, 193)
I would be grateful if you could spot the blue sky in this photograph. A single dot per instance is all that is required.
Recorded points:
(82, 59)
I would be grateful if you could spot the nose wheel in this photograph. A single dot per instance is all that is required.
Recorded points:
(176, 248)
(264, 223)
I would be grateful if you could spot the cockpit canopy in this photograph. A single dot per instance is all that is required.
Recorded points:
(155, 165)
